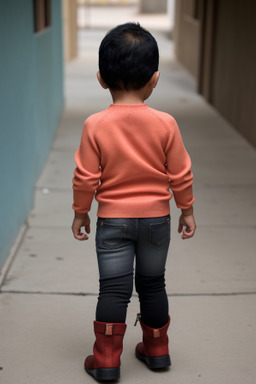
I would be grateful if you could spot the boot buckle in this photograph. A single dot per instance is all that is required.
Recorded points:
(109, 330)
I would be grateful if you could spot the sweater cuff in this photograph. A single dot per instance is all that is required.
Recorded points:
(184, 199)
(82, 201)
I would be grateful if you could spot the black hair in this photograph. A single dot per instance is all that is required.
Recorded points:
(128, 57)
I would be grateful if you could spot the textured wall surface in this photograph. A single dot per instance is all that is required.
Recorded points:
(31, 101)
(187, 36)
(234, 75)
(227, 30)
(152, 6)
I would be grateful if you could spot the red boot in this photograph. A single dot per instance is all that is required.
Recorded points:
(104, 364)
(154, 349)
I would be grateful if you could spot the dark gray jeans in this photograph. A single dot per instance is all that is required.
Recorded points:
(119, 244)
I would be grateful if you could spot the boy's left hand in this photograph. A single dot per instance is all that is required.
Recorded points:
(187, 226)
(78, 223)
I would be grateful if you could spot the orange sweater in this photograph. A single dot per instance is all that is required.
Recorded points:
(131, 155)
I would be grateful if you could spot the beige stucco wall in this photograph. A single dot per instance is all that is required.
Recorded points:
(187, 36)
(234, 65)
(218, 48)
(69, 14)
(153, 6)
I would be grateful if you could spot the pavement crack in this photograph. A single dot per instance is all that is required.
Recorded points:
(84, 294)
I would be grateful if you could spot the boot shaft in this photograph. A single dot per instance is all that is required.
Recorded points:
(109, 344)
(155, 340)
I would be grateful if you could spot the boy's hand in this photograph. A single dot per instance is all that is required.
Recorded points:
(79, 222)
(188, 222)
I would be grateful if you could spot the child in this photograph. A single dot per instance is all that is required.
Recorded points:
(129, 157)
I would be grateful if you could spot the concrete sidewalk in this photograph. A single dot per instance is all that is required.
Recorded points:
(48, 296)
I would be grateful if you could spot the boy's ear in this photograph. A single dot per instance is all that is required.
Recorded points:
(101, 81)
(154, 79)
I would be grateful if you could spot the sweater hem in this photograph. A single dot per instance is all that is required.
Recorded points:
(122, 210)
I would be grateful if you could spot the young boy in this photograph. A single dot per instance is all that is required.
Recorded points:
(130, 157)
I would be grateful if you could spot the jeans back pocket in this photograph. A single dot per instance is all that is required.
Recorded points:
(160, 233)
(110, 235)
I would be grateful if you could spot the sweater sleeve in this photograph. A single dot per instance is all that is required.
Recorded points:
(179, 168)
(87, 173)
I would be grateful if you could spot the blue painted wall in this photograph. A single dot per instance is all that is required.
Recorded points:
(31, 101)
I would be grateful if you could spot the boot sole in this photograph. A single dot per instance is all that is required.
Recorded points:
(155, 362)
(104, 374)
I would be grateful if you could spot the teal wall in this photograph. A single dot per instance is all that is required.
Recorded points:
(31, 101)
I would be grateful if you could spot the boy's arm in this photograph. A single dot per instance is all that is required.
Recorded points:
(179, 168)
(85, 182)
(87, 173)
(181, 180)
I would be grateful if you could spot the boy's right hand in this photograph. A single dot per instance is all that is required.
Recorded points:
(188, 222)
(78, 223)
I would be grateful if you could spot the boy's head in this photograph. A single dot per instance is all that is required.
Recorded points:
(128, 57)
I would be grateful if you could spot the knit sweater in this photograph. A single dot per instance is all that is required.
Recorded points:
(130, 156)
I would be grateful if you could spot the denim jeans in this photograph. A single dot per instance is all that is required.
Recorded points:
(121, 244)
